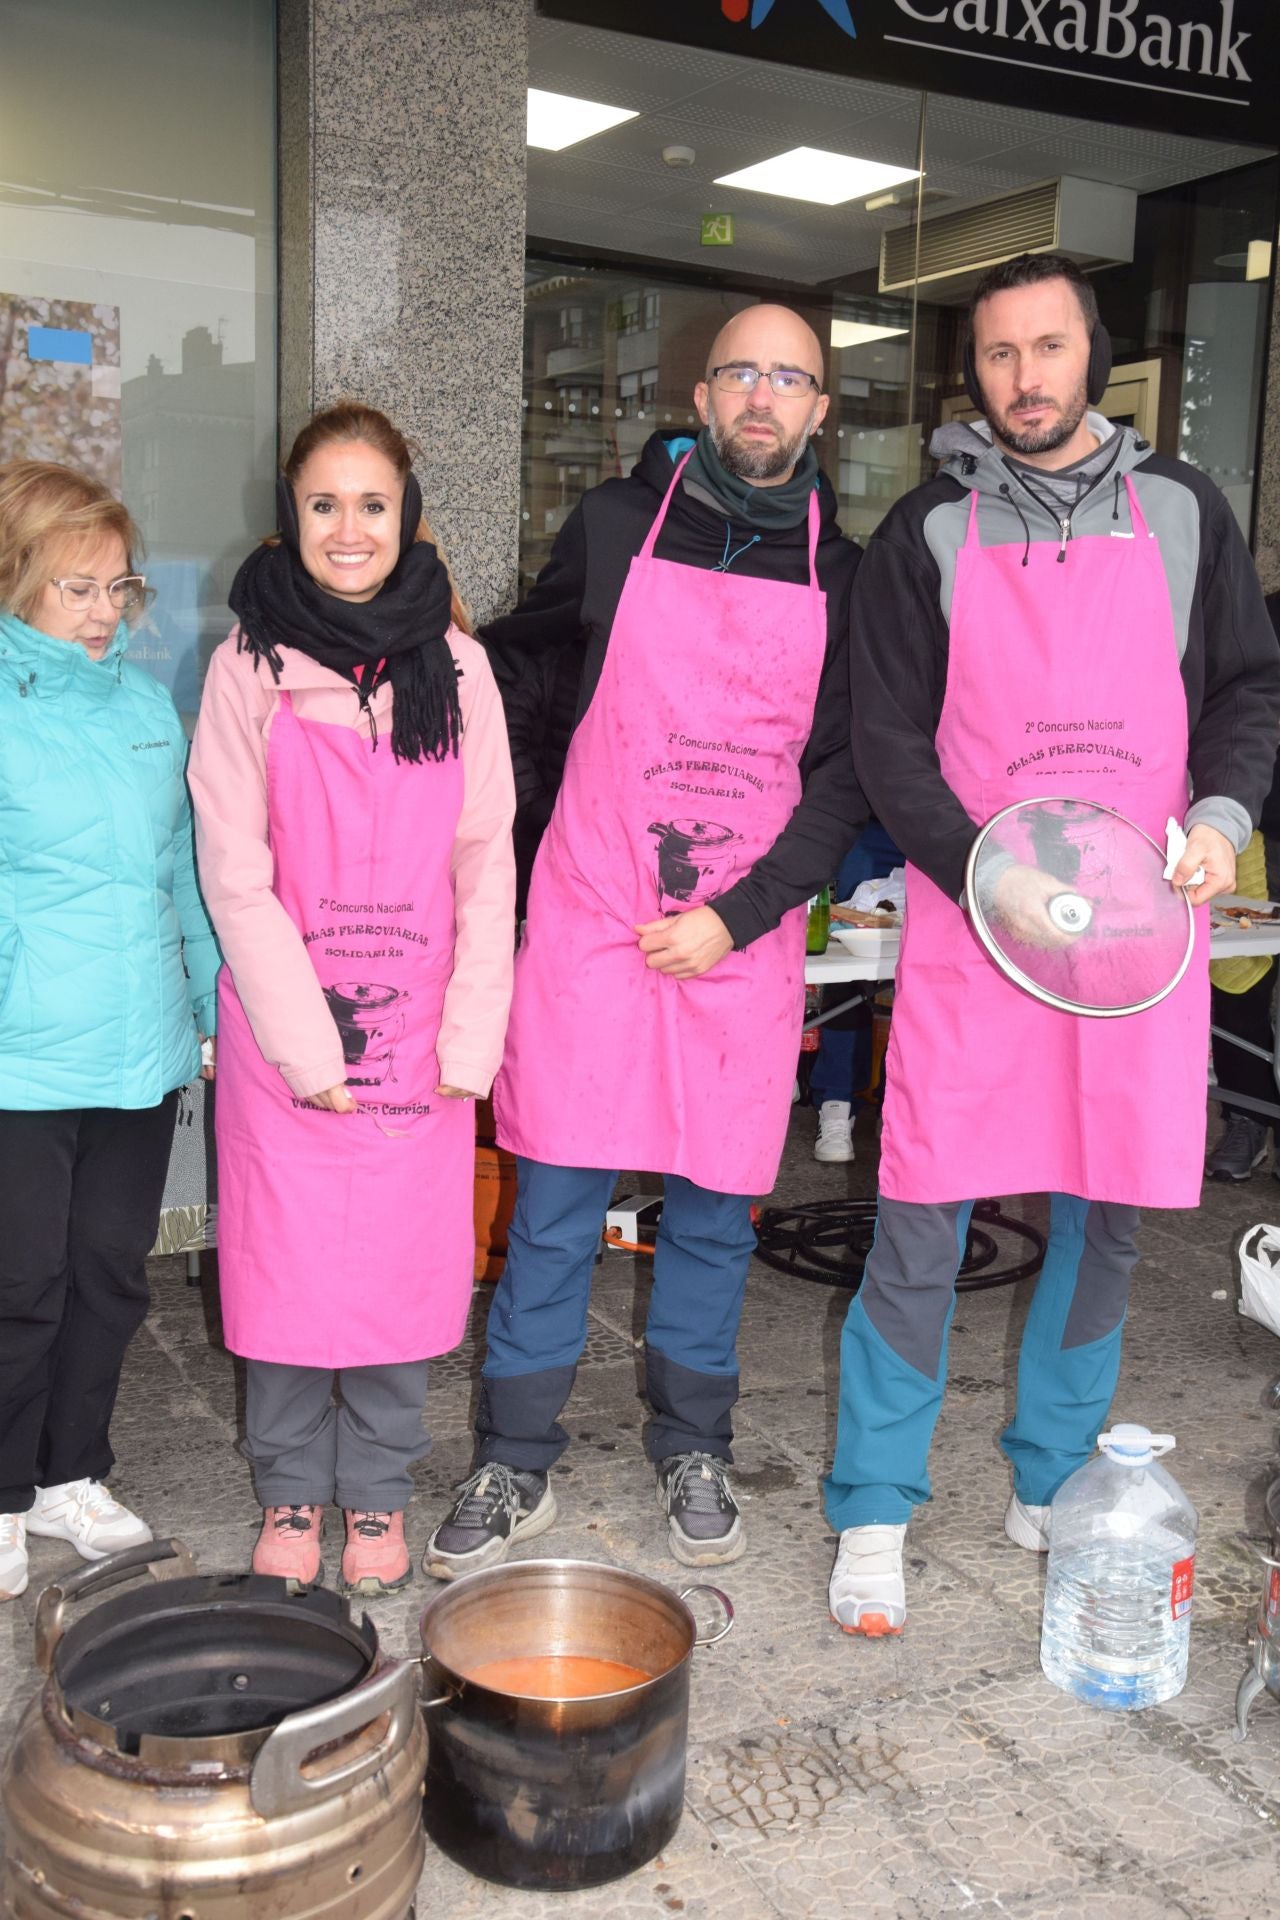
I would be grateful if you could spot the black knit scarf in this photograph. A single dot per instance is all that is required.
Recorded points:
(278, 604)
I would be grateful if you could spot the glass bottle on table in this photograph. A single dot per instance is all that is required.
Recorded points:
(818, 930)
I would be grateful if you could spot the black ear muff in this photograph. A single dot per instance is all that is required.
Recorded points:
(1096, 380)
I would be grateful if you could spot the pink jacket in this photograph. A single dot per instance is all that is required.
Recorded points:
(274, 977)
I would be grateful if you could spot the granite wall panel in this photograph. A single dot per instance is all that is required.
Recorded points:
(405, 185)
(1267, 541)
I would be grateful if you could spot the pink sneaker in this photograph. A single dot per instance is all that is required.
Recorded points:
(375, 1559)
(289, 1545)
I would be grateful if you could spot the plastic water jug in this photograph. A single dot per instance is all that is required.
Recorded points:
(1117, 1602)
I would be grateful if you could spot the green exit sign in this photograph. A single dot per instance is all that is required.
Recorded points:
(717, 229)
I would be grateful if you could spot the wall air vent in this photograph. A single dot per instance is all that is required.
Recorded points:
(1087, 219)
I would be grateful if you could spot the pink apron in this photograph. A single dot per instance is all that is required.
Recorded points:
(682, 773)
(1063, 678)
(347, 1241)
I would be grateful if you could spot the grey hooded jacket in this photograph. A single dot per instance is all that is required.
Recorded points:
(901, 611)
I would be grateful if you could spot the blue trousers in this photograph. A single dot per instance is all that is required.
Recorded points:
(893, 1354)
(538, 1319)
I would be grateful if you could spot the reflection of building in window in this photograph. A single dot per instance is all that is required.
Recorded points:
(188, 440)
(606, 363)
(571, 326)
(636, 311)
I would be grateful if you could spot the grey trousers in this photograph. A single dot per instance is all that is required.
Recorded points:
(306, 1451)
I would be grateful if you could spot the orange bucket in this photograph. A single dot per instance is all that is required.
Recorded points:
(495, 1196)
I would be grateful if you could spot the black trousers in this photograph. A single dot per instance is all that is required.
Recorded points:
(1249, 1015)
(80, 1195)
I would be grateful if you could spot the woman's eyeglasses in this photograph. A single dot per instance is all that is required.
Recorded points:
(125, 594)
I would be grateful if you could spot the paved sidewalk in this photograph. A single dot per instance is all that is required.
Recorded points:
(902, 1780)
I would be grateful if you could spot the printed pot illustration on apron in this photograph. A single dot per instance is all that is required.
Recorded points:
(695, 861)
(705, 700)
(370, 1019)
(1063, 675)
(347, 1240)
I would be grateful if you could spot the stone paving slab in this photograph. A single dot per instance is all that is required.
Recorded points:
(914, 1778)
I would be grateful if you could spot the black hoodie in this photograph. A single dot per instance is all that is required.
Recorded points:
(547, 657)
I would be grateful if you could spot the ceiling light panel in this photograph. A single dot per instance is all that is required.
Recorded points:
(559, 120)
(858, 333)
(825, 179)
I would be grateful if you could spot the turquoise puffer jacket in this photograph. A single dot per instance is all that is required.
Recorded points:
(98, 893)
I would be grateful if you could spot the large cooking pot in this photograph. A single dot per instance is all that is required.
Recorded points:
(559, 1788)
(211, 1747)
(694, 858)
(1263, 1672)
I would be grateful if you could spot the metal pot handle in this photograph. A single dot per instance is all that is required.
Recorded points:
(162, 1559)
(277, 1784)
(725, 1602)
(1247, 1540)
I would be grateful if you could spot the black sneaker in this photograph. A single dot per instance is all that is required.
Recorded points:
(494, 1507)
(704, 1522)
(1243, 1147)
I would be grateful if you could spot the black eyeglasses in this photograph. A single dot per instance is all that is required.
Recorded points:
(787, 382)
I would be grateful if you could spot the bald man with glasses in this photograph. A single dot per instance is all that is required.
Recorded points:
(677, 690)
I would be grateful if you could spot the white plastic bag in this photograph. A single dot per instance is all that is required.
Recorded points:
(1260, 1276)
(867, 897)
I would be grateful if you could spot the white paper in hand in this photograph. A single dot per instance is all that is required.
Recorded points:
(1175, 847)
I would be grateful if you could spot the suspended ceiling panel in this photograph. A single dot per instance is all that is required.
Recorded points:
(615, 192)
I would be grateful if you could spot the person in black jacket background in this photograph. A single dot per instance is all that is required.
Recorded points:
(678, 675)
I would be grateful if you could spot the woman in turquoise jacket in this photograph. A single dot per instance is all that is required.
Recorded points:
(107, 965)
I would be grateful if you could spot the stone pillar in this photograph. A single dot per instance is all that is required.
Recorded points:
(402, 228)
(1267, 539)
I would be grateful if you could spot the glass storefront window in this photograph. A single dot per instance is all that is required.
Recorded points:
(1187, 311)
(137, 283)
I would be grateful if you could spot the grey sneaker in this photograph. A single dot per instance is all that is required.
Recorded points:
(495, 1506)
(1243, 1147)
(703, 1518)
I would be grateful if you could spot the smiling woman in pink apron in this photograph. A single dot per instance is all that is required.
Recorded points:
(701, 607)
(353, 799)
(1060, 612)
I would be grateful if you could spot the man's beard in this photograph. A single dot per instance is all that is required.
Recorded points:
(758, 459)
(1046, 439)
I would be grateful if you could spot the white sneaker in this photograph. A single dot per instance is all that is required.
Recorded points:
(867, 1593)
(13, 1555)
(835, 1131)
(1027, 1526)
(83, 1512)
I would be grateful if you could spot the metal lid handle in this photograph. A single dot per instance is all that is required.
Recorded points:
(725, 1602)
(277, 1784)
(162, 1559)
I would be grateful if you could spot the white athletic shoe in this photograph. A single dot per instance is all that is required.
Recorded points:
(867, 1594)
(1027, 1526)
(835, 1132)
(13, 1555)
(83, 1512)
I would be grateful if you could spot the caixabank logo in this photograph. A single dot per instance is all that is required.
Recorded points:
(756, 12)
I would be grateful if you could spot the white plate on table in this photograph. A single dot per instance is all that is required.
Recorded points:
(1228, 936)
(866, 941)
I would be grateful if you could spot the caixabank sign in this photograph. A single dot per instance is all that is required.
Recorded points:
(1206, 68)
